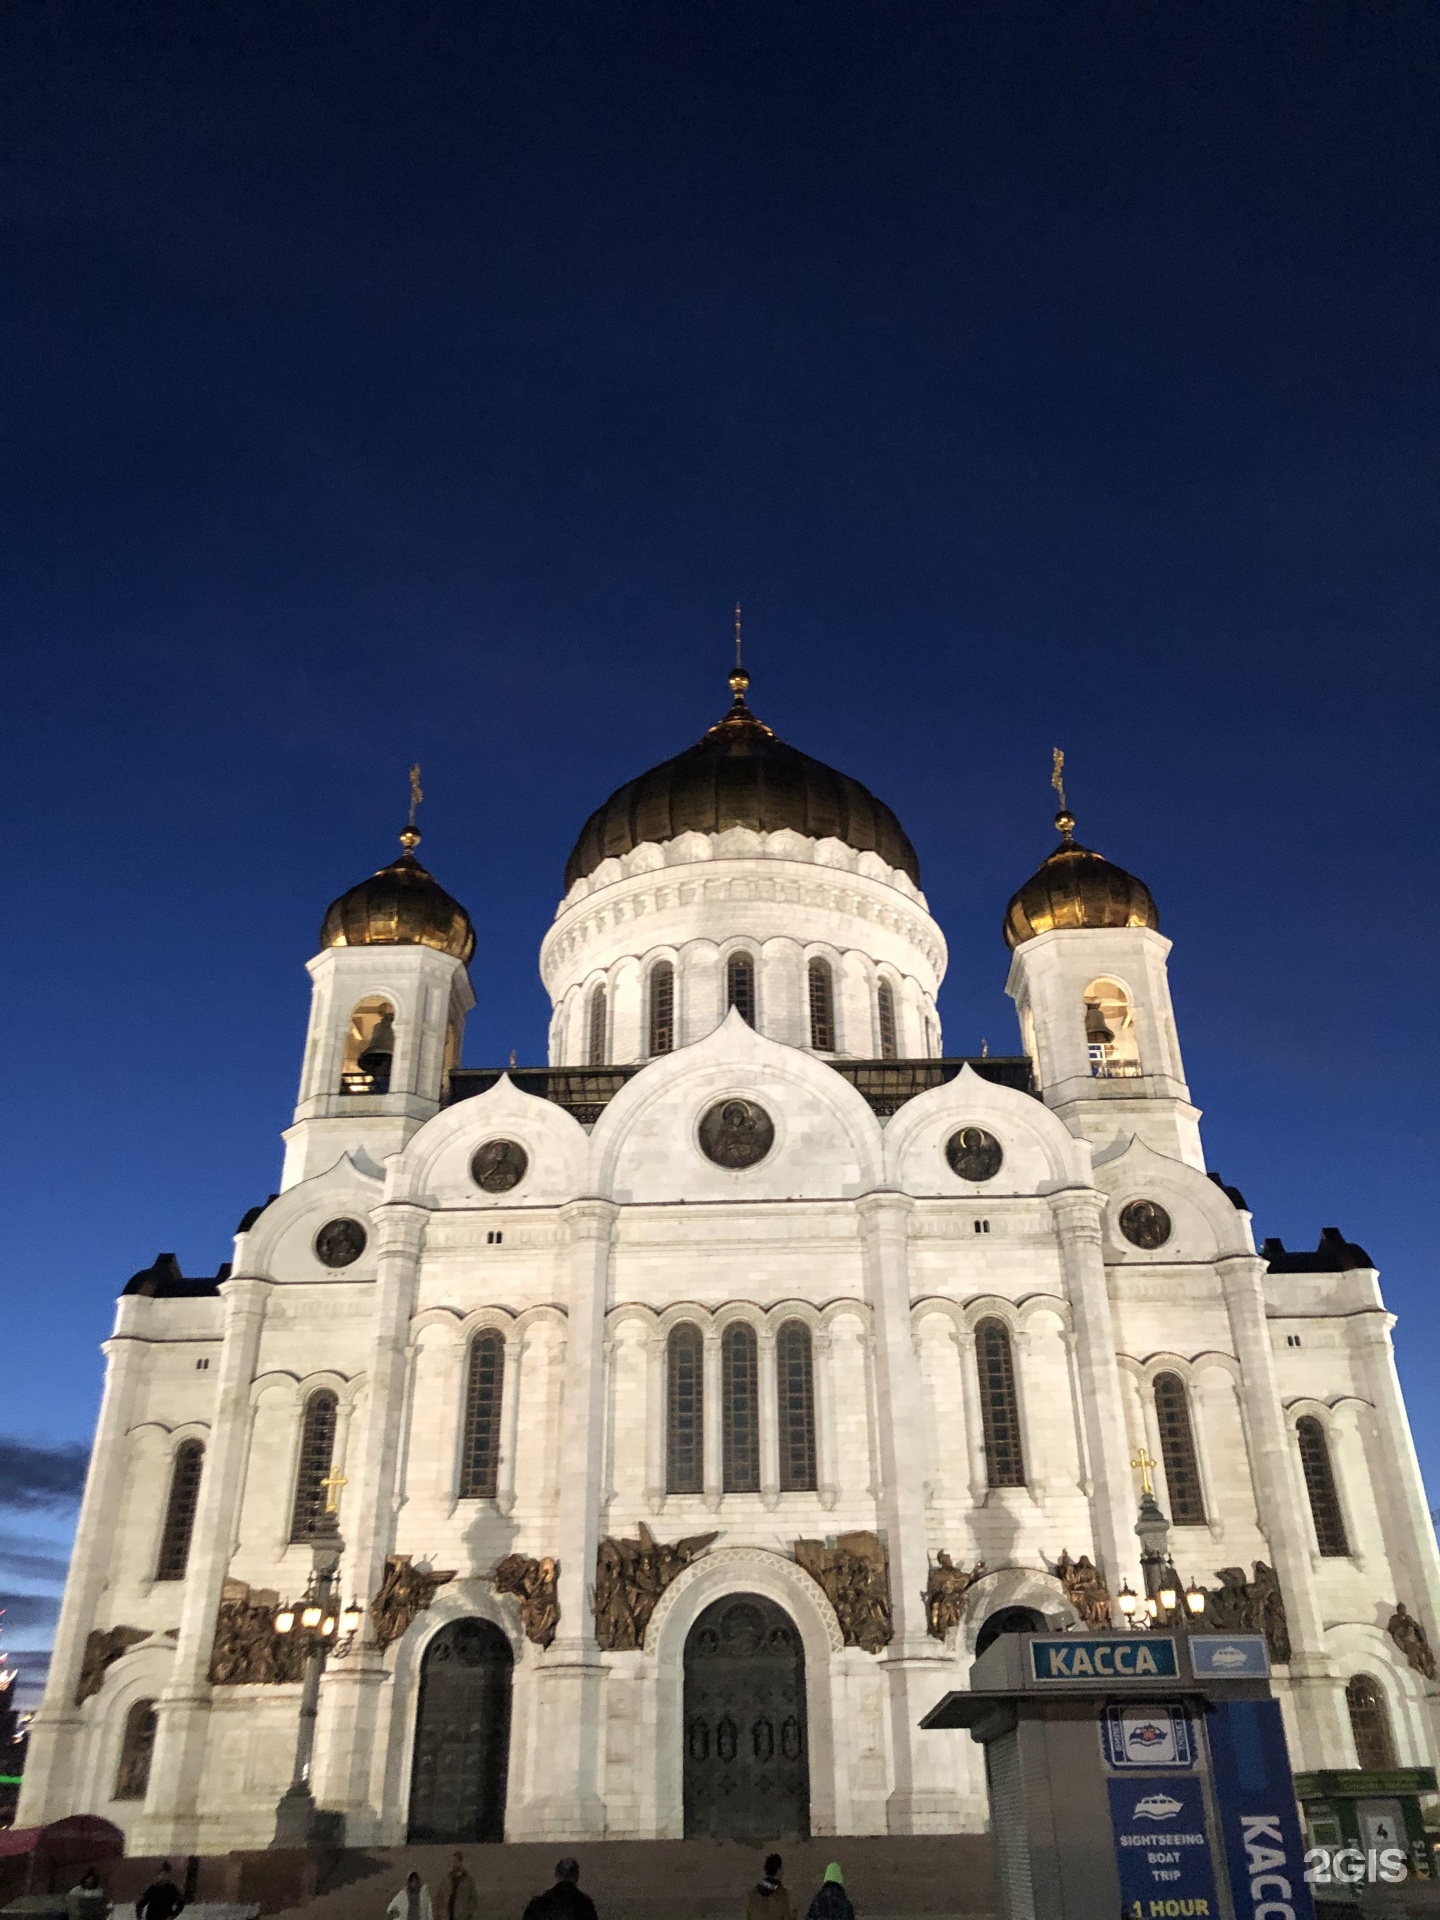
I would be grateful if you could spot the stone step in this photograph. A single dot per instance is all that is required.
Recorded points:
(888, 1877)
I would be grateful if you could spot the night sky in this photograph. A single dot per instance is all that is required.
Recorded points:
(393, 383)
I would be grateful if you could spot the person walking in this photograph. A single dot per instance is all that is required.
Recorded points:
(831, 1902)
(768, 1899)
(162, 1899)
(87, 1899)
(462, 1896)
(412, 1902)
(563, 1901)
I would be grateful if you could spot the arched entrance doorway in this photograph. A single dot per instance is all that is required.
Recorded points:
(747, 1761)
(1008, 1620)
(462, 1735)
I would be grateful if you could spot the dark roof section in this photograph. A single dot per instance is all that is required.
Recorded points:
(1232, 1194)
(252, 1214)
(1335, 1254)
(164, 1281)
(585, 1092)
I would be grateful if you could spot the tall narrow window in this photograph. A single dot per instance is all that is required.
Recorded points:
(484, 1385)
(1110, 1038)
(317, 1448)
(180, 1510)
(885, 1015)
(740, 1402)
(740, 986)
(795, 1384)
(685, 1411)
(822, 1006)
(1177, 1451)
(369, 1048)
(597, 1039)
(999, 1405)
(662, 1008)
(137, 1744)
(1370, 1724)
(1320, 1485)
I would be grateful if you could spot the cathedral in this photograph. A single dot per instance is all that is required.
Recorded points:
(639, 1445)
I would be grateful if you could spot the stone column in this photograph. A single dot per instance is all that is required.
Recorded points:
(654, 1420)
(827, 1468)
(769, 1413)
(564, 1801)
(1077, 1214)
(1319, 1701)
(49, 1788)
(172, 1821)
(352, 1689)
(923, 1798)
(712, 1414)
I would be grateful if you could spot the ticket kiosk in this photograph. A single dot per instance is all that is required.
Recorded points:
(1135, 1774)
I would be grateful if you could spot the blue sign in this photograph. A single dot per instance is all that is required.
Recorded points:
(1255, 1795)
(1128, 1656)
(1161, 1847)
(1147, 1734)
(1229, 1656)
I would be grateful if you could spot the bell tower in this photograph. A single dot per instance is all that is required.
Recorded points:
(389, 996)
(1090, 984)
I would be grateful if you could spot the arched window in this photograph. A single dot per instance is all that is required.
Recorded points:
(1320, 1485)
(180, 1510)
(822, 1006)
(137, 1744)
(685, 1410)
(484, 1385)
(662, 1008)
(740, 986)
(597, 1038)
(1370, 1724)
(317, 1448)
(740, 1408)
(1177, 1451)
(999, 1405)
(1110, 1032)
(795, 1392)
(369, 1048)
(885, 1017)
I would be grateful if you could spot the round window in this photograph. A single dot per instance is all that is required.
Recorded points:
(736, 1133)
(974, 1154)
(499, 1165)
(340, 1242)
(1145, 1223)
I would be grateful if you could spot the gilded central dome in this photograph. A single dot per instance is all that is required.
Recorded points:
(1077, 887)
(740, 775)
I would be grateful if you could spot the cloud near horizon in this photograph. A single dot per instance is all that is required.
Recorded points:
(28, 1609)
(35, 1478)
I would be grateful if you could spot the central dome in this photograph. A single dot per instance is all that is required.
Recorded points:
(740, 775)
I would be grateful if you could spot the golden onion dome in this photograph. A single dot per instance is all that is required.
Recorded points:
(1077, 887)
(400, 906)
(740, 775)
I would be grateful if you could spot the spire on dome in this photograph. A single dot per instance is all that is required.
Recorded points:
(739, 678)
(410, 836)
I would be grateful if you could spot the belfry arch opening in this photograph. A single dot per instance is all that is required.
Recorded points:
(1110, 1040)
(369, 1047)
(747, 1749)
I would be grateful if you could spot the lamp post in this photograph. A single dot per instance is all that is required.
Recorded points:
(1164, 1603)
(319, 1623)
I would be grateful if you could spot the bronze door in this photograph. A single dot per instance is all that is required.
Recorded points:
(462, 1735)
(747, 1764)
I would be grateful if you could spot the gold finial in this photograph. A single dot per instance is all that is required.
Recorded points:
(1064, 819)
(1143, 1463)
(739, 678)
(410, 838)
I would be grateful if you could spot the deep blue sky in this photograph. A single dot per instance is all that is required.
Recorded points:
(425, 382)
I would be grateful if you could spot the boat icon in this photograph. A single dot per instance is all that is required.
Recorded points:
(1229, 1657)
(1156, 1806)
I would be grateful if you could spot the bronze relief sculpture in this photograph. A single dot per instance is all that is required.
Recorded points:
(499, 1165)
(736, 1134)
(246, 1649)
(103, 1648)
(630, 1576)
(974, 1154)
(944, 1594)
(1239, 1605)
(533, 1584)
(1145, 1224)
(854, 1576)
(405, 1590)
(1409, 1636)
(339, 1243)
(1085, 1590)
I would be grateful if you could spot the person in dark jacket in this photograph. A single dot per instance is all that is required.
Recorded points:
(563, 1901)
(831, 1902)
(162, 1899)
(769, 1900)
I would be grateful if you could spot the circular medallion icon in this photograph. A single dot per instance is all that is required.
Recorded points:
(736, 1133)
(1145, 1223)
(340, 1242)
(499, 1165)
(974, 1154)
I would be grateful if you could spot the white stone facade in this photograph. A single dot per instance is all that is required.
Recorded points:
(855, 1225)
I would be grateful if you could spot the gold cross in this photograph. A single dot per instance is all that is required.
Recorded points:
(1143, 1461)
(332, 1483)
